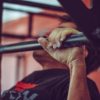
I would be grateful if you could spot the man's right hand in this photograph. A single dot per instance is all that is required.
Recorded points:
(52, 46)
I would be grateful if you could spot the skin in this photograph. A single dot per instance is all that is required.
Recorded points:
(68, 58)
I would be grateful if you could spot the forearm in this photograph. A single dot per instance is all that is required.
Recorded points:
(78, 89)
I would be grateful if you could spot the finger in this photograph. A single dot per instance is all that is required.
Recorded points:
(57, 38)
(56, 41)
(57, 45)
(43, 42)
(51, 37)
(54, 38)
(67, 32)
(51, 40)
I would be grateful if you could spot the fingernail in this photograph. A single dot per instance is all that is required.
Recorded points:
(58, 44)
(62, 38)
(54, 46)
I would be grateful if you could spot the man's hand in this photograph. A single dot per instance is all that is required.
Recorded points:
(73, 57)
(52, 46)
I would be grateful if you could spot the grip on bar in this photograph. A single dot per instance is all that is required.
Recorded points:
(73, 40)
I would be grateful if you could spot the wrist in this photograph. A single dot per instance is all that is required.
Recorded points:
(77, 66)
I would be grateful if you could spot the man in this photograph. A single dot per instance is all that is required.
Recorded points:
(64, 71)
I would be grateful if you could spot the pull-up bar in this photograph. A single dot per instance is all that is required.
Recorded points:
(74, 40)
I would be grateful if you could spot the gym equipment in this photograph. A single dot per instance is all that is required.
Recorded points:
(73, 40)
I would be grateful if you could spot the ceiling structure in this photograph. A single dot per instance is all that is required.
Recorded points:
(24, 6)
(24, 18)
(49, 2)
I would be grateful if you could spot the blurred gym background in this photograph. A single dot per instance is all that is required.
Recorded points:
(24, 20)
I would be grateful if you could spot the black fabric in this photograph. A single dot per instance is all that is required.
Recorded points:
(87, 19)
(89, 22)
(48, 85)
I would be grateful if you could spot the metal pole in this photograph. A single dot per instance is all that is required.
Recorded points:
(74, 40)
(34, 4)
(31, 12)
(30, 26)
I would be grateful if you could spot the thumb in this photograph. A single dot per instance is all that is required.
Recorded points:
(43, 42)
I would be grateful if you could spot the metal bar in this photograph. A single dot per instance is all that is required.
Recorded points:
(34, 4)
(74, 40)
(18, 10)
(39, 14)
(30, 26)
(15, 36)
